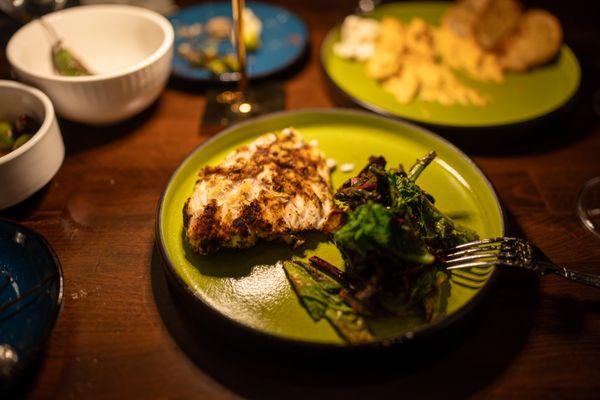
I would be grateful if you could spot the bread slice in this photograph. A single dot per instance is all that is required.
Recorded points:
(462, 16)
(488, 21)
(497, 21)
(536, 41)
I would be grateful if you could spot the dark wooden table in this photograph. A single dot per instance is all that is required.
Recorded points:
(120, 334)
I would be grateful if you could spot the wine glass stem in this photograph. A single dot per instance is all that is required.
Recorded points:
(238, 10)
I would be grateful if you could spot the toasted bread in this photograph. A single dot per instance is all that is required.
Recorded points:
(536, 41)
(488, 21)
(497, 21)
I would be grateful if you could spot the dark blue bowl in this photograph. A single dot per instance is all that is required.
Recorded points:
(284, 38)
(34, 273)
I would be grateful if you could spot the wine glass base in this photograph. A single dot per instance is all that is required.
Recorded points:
(588, 205)
(227, 107)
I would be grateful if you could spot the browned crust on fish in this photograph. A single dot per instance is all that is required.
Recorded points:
(251, 193)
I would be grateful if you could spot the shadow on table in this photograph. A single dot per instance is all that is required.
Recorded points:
(27, 207)
(466, 358)
(81, 137)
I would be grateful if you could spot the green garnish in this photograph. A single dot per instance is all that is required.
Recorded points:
(232, 62)
(320, 295)
(6, 143)
(6, 129)
(216, 66)
(13, 136)
(65, 63)
(209, 58)
(20, 141)
(391, 237)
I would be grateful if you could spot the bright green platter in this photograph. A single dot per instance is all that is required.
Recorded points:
(521, 97)
(249, 288)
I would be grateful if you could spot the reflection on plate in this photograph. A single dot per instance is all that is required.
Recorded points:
(283, 39)
(249, 288)
(521, 97)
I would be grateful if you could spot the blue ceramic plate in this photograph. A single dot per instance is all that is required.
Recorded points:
(284, 38)
(30, 269)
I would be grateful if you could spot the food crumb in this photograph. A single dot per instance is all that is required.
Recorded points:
(314, 143)
(218, 27)
(331, 163)
(347, 167)
(189, 31)
(79, 294)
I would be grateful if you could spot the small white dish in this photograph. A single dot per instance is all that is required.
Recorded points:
(27, 169)
(129, 50)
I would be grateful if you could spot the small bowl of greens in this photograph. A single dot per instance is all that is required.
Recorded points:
(31, 145)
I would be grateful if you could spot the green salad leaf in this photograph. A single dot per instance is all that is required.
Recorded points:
(373, 228)
(391, 237)
(320, 295)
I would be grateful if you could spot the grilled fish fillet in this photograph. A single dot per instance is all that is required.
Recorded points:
(272, 189)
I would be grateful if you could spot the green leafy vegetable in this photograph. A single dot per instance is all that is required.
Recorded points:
(321, 297)
(21, 140)
(374, 228)
(437, 230)
(391, 237)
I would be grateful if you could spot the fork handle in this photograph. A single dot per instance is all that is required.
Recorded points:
(581, 277)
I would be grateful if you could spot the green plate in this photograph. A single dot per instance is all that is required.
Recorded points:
(521, 97)
(249, 288)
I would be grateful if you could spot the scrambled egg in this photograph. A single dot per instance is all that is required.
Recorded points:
(416, 59)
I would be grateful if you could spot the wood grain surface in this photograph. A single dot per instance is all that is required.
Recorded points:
(121, 334)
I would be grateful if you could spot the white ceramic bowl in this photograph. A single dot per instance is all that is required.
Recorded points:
(129, 49)
(27, 169)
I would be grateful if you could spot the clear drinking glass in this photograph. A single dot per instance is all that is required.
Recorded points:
(588, 205)
(240, 104)
(588, 201)
(244, 101)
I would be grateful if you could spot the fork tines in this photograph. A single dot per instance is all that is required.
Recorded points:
(486, 253)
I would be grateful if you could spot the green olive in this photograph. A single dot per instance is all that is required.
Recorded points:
(21, 140)
(6, 143)
(231, 62)
(216, 66)
(6, 129)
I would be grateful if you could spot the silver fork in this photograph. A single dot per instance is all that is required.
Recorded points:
(511, 252)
